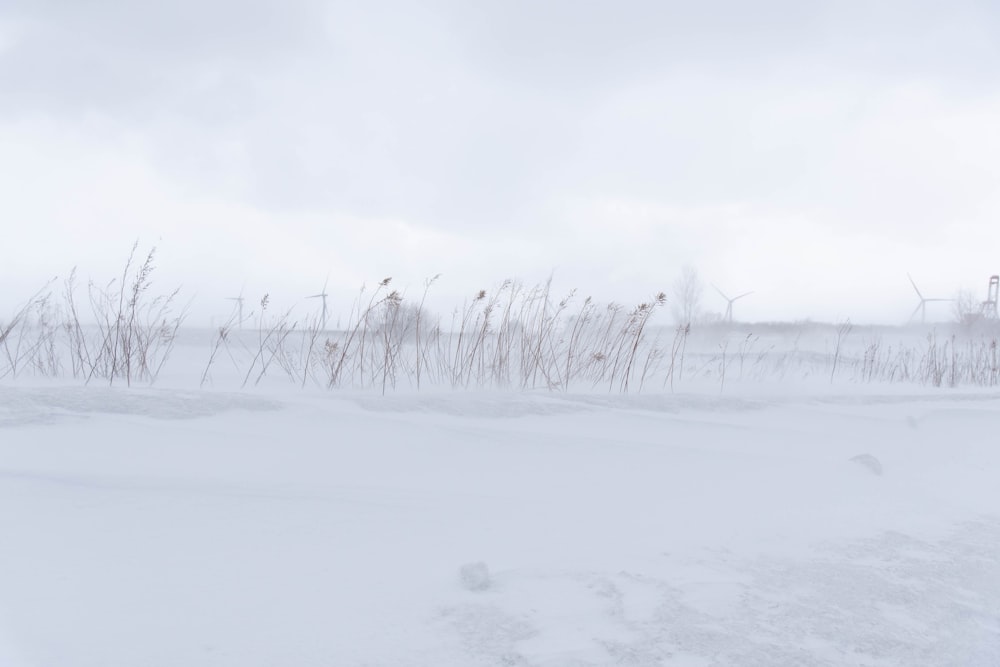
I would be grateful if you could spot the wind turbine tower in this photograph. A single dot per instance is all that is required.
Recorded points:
(989, 306)
(239, 307)
(321, 295)
(728, 317)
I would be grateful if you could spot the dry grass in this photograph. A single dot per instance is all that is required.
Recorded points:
(132, 340)
(510, 337)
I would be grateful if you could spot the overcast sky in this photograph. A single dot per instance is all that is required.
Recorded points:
(814, 152)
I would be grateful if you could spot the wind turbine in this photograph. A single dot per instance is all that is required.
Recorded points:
(321, 295)
(922, 306)
(239, 306)
(729, 303)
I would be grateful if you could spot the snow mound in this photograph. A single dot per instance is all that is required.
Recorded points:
(475, 576)
(46, 405)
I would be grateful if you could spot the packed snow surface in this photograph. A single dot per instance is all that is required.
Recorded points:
(144, 527)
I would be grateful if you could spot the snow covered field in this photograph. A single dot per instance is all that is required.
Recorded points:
(166, 527)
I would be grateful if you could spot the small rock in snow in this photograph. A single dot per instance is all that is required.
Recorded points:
(475, 576)
(868, 461)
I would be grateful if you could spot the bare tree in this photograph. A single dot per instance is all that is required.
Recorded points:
(687, 291)
(966, 308)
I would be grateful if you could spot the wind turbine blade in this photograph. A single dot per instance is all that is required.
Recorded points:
(742, 295)
(915, 289)
(721, 292)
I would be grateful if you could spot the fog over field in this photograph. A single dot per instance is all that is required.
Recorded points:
(495, 334)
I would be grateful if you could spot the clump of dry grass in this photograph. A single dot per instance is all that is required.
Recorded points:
(136, 329)
(28, 339)
(131, 340)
